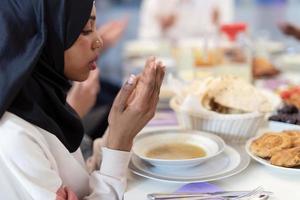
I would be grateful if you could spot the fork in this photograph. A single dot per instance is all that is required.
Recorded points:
(252, 193)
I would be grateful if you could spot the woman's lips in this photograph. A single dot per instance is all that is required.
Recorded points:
(93, 63)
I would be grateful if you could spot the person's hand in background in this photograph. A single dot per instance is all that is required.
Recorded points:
(290, 29)
(112, 31)
(167, 21)
(215, 16)
(83, 95)
(134, 106)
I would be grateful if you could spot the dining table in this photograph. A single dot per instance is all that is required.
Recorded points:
(284, 185)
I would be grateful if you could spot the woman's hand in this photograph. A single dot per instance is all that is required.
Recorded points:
(134, 106)
(83, 95)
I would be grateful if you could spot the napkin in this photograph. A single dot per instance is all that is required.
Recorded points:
(164, 118)
(198, 187)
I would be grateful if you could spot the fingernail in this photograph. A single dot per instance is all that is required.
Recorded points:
(154, 65)
(131, 79)
(152, 58)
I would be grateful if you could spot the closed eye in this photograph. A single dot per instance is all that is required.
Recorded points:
(86, 32)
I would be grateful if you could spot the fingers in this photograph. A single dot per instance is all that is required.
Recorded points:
(70, 194)
(155, 77)
(120, 102)
(159, 79)
(147, 81)
(149, 62)
(61, 194)
(161, 74)
(148, 87)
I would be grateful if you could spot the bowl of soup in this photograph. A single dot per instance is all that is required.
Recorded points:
(177, 148)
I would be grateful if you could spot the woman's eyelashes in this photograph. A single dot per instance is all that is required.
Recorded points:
(86, 32)
(90, 27)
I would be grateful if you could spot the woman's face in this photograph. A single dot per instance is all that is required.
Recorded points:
(81, 57)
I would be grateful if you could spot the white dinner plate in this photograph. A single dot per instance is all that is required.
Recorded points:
(288, 62)
(281, 126)
(232, 161)
(267, 163)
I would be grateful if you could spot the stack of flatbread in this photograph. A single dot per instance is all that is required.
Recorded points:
(231, 95)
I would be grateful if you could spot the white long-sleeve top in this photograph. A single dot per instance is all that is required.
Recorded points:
(34, 165)
(193, 17)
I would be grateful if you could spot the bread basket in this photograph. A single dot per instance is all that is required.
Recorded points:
(231, 127)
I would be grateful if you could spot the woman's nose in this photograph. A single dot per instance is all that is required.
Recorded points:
(97, 44)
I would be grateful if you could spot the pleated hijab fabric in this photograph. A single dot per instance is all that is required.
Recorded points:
(33, 37)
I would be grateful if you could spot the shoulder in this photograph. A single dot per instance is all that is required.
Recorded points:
(19, 136)
(25, 154)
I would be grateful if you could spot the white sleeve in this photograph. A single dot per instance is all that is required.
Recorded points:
(149, 25)
(110, 182)
(31, 173)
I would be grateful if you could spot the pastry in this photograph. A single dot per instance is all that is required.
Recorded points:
(296, 142)
(287, 157)
(270, 143)
(295, 136)
(262, 67)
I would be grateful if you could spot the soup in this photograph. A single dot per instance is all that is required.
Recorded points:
(176, 151)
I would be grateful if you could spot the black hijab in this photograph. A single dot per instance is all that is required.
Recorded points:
(33, 37)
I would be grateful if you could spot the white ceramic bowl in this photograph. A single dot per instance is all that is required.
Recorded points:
(210, 143)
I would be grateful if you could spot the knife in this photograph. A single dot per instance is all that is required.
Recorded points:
(162, 196)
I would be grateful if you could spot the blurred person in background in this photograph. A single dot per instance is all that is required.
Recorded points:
(183, 18)
(82, 96)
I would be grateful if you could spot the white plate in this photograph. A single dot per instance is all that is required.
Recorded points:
(281, 126)
(288, 62)
(267, 162)
(271, 46)
(229, 163)
(275, 47)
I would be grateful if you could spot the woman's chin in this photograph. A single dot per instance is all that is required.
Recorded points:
(82, 77)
